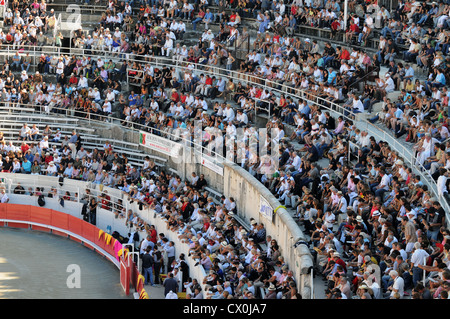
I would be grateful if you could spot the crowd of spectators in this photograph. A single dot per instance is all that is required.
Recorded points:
(239, 261)
(372, 224)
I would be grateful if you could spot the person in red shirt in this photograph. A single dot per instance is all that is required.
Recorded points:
(293, 9)
(73, 79)
(48, 158)
(208, 85)
(351, 31)
(183, 98)
(105, 202)
(152, 233)
(345, 55)
(276, 38)
(24, 147)
(335, 25)
(232, 17)
(337, 259)
(175, 96)
(208, 80)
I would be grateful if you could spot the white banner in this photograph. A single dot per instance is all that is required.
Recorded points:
(159, 144)
(209, 163)
(265, 209)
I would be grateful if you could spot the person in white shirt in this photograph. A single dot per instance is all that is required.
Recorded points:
(228, 113)
(168, 47)
(358, 106)
(51, 169)
(342, 204)
(442, 182)
(82, 82)
(389, 84)
(110, 96)
(383, 186)
(418, 257)
(296, 161)
(424, 148)
(5, 198)
(241, 118)
(25, 132)
(106, 108)
(398, 285)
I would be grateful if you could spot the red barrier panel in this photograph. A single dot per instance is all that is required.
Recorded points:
(18, 212)
(41, 215)
(3, 211)
(89, 232)
(31, 214)
(124, 276)
(75, 225)
(103, 242)
(110, 248)
(59, 220)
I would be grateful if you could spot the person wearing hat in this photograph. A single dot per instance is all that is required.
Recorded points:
(51, 169)
(271, 292)
(364, 291)
(338, 260)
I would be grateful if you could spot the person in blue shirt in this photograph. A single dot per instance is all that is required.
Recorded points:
(26, 165)
(320, 62)
(264, 22)
(439, 81)
(69, 170)
(331, 79)
(132, 99)
(208, 18)
(29, 156)
(292, 25)
(139, 100)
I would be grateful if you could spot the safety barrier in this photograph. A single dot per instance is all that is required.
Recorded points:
(66, 225)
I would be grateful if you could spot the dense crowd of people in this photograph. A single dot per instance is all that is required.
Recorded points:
(231, 255)
(375, 227)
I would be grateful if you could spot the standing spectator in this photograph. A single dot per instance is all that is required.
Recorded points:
(170, 284)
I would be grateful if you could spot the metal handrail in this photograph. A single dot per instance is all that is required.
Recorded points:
(12, 180)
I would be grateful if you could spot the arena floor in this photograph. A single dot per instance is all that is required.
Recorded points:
(38, 265)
